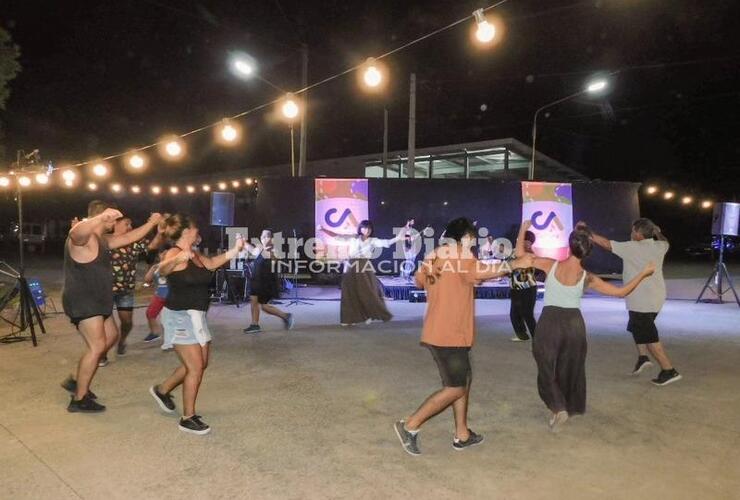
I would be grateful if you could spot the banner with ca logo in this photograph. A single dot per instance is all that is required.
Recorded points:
(549, 205)
(341, 204)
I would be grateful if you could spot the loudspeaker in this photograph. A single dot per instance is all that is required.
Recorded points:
(222, 209)
(726, 219)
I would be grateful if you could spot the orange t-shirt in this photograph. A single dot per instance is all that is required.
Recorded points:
(449, 280)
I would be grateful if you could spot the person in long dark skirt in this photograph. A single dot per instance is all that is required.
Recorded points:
(523, 292)
(560, 339)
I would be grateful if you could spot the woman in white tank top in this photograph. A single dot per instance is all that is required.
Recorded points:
(560, 339)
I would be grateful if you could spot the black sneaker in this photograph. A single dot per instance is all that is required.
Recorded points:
(84, 405)
(151, 337)
(163, 400)
(252, 329)
(520, 337)
(642, 363)
(472, 440)
(194, 425)
(70, 385)
(409, 441)
(103, 362)
(666, 377)
(121, 349)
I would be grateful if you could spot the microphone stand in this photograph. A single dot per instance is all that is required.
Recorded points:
(295, 300)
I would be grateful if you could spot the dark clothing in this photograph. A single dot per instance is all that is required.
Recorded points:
(362, 294)
(642, 326)
(560, 352)
(522, 310)
(189, 289)
(453, 364)
(88, 287)
(265, 283)
(522, 279)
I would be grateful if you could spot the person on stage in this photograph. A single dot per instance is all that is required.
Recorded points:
(87, 296)
(265, 283)
(189, 275)
(449, 275)
(560, 337)
(157, 301)
(523, 292)
(647, 244)
(362, 296)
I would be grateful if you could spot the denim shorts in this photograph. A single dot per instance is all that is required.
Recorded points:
(124, 301)
(184, 328)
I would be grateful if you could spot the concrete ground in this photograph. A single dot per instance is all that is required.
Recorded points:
(309, 413)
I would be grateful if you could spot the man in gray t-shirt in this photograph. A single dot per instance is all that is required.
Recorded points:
(647, 244)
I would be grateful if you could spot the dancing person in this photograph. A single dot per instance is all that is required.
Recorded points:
(189, 275)
(87, 296)
(157, 301)
(408, 266)
(523, 292)
(560, 336)
(647, 244)
(487, 249)
(265, 283)
(362, 295)
(449, 275)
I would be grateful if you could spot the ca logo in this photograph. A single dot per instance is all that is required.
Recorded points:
(552, 217)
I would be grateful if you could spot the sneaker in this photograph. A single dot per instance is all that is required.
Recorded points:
(520, 337)
(666, 377)
(103, 362)
(84, 405)
(151, 337)
(289, 322)
(642, 363)
(557, 421)
(252, 329)
(121, 349)
(409, 441)
(70, 385)
(194, 425)
(472, 440)
(368, 321)
(163, 400)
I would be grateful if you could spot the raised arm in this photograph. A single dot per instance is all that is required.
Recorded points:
(80, 233)
(401, 234)
(519, 247)
(212, 263)
(118, 241)
(597, 239)
(605, 288)
(173, 259)
(160, 238)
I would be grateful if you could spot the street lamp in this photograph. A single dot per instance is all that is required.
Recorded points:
(485, 31)
(593, 87)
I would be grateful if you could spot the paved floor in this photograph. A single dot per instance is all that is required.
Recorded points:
(309, 413)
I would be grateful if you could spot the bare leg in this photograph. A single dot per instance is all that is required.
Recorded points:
(274, 311)
(111, 333)
(127, 323)
(656, 349)
(433, 405)
(642, 349)
(460, 410)
(94, 335)
(195, 359)
(173, 380)
(155, 326)
(255, 305)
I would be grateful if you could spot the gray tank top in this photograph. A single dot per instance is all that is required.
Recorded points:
(88, 288)
(557, 294)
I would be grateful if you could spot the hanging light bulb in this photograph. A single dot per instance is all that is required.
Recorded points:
(248, 181)
(42, 179)
(172, 148)
(206, 188)
(222, 185)
(69, 184)
(290, 108)
(156, 189)
(135, 189)
(668, 195)
(24, 181)
(235, 184)
(69, 176)
(373, 75)
(100, 170)
(190, 189)
(116, 188)
(174, 189)
(136, 161)
(228, 133)
(4, 182)
(485, 31)
(651, 190)
(706, 204)
(92, 186)
(686, 200)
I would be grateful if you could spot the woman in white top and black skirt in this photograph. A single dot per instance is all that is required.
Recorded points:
(362, 293)
(560, 339)
(189, 275)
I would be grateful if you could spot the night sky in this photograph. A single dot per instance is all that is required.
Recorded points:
(100, 77)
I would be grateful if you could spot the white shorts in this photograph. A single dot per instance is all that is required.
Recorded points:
(184, 327)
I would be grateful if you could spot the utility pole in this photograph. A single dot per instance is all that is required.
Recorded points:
(385, 140)
(410, 164)
(304, 84)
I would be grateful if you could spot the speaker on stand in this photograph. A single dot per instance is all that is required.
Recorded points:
(222, 215)
(725, 222)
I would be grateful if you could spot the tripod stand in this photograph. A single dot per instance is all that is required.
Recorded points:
(27, 311)
(719, 273)
(295, 301)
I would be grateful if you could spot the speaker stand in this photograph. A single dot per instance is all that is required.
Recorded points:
(719, 275)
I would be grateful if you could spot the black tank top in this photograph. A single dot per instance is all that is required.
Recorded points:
(189, 288)
(88, 288)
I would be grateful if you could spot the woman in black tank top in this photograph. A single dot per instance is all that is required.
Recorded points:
(184, 317)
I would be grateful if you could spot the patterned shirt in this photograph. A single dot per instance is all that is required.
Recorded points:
(123, 262)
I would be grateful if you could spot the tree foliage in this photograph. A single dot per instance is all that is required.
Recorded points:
(9, 65)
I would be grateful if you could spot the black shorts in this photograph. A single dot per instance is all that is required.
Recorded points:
(76, 321)
(642, 326)
(453, 364)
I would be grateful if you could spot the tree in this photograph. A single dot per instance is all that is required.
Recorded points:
(9, 65)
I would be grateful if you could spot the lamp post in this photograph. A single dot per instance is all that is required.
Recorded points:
(593, 87)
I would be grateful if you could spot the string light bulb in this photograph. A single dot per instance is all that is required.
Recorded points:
(69, 184)
(485, 31)
(686, 200)
(228, 133)
(156, 189)
(4, 182)
(172, 148)
(235, 184)
(42, 179)
(116, 188)
(289, 107)
(668, 195)
(92, 186)
(206, 188)
(706, 204)
(248, 181)
(651, 190)
(69, 176)
(174, 189)
(136, 161)
(135, 189)
(100, 170)
(24, 181)
(373, 76)
(222, 185)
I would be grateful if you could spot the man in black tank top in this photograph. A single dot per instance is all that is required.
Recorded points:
(87, 295)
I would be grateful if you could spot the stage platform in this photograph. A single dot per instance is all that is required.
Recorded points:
(397, 288)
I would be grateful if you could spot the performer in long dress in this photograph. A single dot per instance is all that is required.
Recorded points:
(265, 283)
(647, 244)
(87, 295)
(362, 295)
(189, 276)
(560, 337)
(449, 275)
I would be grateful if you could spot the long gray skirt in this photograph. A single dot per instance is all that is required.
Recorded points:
(362, 295)
(560, 352)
